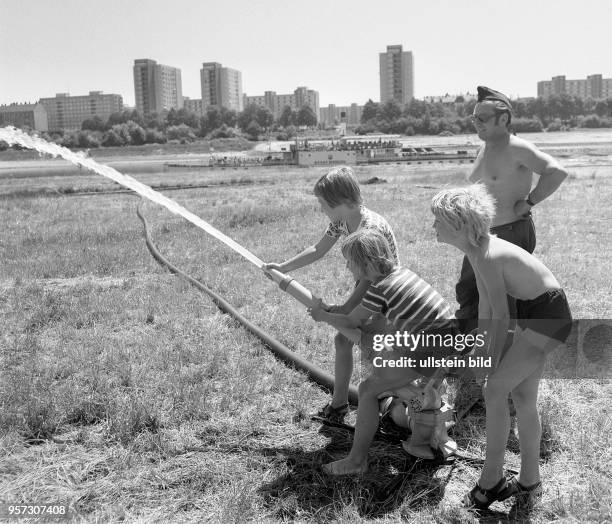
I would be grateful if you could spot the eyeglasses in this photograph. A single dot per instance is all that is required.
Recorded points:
(476, 118)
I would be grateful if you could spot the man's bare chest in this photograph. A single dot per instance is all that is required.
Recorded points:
(498, 167)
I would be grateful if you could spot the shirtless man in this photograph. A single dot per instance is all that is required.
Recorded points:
(505, 165)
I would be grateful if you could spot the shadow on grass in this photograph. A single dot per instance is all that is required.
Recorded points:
(516, 514)
(394, 480)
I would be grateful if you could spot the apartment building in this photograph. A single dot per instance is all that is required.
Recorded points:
(302, 96)
(396, 75)
(193, 106)
(33, 116)
(157, 87)
(593, 86)
(65, 112)
(221, 86)
(334, 115)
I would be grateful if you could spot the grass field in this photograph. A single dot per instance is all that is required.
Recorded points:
(127, 394)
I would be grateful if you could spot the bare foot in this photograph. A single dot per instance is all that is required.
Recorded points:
(345, 467)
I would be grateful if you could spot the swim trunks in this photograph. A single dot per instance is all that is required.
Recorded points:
(548, 314)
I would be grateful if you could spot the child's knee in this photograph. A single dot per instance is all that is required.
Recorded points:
(495, 390)
(368, 388)
(524, 399)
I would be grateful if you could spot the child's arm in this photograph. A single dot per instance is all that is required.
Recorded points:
(355, 298)
(308, 256)
(338, 320)
(484, 307)
(492, 287)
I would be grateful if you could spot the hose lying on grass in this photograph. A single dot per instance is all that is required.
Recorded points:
(314, 373)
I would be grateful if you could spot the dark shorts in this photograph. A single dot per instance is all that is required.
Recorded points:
(548, 314)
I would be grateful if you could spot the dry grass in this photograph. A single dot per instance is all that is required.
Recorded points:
(126, 394)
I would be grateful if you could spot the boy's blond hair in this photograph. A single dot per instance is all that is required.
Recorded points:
(471, 206)
(339, 186)
(368, 246)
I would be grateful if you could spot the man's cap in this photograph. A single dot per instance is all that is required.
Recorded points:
(486, 93)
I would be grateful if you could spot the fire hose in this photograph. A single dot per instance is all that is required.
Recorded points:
(282, 352)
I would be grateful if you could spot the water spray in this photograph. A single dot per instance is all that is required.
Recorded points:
(11, 135)
(431, 433)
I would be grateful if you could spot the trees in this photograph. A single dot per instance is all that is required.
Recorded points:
(265, 118)
(216, 118)
(390, 111)
(288, 117)
(211, 120)
(527, 125)
(306, 117)
(123, 117)
(601, 108)
(228, 117)
(154, 136)
(154, 121)
(182, 116)
(182, 133)
(128, 133)
(93, 124)
(223, 132)
(417, 108)
(254, 120)
(112, 138)
(253, 129)
(369, 112)
(135, 132)
(248, 115)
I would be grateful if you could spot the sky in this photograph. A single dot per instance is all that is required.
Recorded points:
(331, 46)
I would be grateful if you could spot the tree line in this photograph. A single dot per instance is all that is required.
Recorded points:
(182, 126)
(420, 117)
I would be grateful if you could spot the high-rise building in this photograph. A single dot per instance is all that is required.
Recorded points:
(396, 75)
(221, 86)
(157, 87)
(334, 115)
(302, 96)
(593, 86)
(33, 116)
(193, 106)
(65, 112)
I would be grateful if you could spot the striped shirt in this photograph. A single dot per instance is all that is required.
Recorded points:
(408, 302)
(371, 220)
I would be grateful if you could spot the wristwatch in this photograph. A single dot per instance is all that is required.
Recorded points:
(529, 201)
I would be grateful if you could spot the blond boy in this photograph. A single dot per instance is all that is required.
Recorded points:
(462, 218)
(409, 305)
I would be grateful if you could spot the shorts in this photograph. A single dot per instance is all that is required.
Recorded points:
(547, 314)
(433, 345)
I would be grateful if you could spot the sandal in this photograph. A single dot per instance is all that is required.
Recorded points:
(333, 414)
(480, 498)
(525, 495)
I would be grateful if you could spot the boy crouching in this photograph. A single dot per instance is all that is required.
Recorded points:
(462, 219)
(409, 304)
